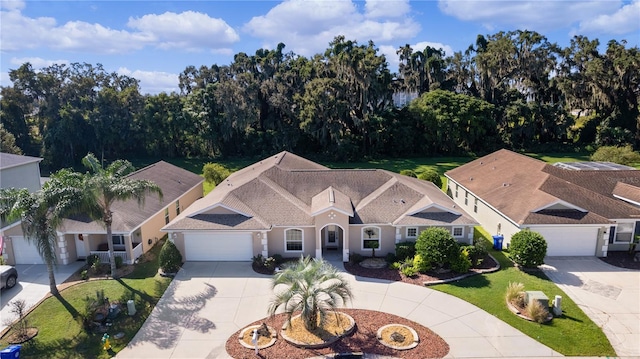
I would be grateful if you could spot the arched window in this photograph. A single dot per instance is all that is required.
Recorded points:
(293, 240)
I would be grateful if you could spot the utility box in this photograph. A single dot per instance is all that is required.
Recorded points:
(557, 306)
(131, 307)
(10, 352)
(537, 295)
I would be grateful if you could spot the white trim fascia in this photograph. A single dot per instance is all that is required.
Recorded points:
(184, 230)
(216, 206)
(564, 203)
(293, 226)
(485, 202)
(36, 159)
(331, 208)
(589, 225)
(627, 200)
(10, 225)
(436, 206)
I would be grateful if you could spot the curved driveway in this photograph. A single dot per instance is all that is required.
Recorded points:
(209, 301)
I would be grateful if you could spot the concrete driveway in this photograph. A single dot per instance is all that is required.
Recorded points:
(32, 287)
(609, 295)
(209, 301)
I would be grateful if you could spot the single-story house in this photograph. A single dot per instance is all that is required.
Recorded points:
(135, 228)
(581, 209)
(291, 206)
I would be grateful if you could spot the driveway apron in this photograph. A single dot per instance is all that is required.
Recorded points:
(209, 301)
(609, 295)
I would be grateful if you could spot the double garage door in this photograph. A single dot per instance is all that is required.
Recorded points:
(25, 252)
(218, 246)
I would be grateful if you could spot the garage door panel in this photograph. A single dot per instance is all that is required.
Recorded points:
(571, 241)
(24, 251)
(218, 246)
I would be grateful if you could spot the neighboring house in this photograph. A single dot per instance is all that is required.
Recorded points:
(17, 171)
(135, 228)
(291, 206)
(580, 208)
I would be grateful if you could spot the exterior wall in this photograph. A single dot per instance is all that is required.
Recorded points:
(387, 240)
(72, 254)
(178, 240)
(492, 221)
(277, 245)
(467, 233)
(24, 176)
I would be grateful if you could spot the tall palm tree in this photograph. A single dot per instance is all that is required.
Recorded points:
(104, 186)
(312, 286)
(41, 213)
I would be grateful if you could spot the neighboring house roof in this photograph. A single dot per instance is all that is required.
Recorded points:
(529, 191)
(128, 215)
(8, 160)
(288, 190)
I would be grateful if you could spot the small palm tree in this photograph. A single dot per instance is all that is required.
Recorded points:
(313, 287)
(104, 186)
(41, 213)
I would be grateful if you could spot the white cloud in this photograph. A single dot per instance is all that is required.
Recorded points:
(386, 8)
(307, 27)
(12, 4)
(36, 62)
(393, 59)
(624, 21)
(4, 79)
(188, 30)
(153, 82)
(448, 51)
(531, 15)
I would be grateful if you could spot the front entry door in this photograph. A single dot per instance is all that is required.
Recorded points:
(331, 237)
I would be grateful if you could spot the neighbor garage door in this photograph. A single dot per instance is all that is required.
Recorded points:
(25, 252)
(569, 241)
(218, 246)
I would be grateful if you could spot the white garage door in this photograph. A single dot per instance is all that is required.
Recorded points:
(569, 241)
(24, 251)
(218, 246)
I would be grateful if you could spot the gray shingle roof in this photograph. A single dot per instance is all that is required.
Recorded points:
(287, 190)
(8, 160)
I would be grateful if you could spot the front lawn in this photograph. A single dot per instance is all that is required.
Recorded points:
(59, 320)
(573, 334)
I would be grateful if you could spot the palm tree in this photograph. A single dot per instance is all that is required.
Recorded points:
(314, 287)
(104, 186)
(41, 213)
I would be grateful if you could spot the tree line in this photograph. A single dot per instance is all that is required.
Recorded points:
(511, 90)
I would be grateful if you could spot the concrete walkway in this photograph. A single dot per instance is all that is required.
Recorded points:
(209, 301)
(609, 295)
(32, 287)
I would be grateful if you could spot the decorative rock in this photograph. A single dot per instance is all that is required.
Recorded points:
(397, 337)
(412, 345)
(374, 263)
(261, 329)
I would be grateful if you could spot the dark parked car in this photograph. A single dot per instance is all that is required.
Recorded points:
(9, 276)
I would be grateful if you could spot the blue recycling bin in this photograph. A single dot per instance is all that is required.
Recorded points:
(497, 242)
(10, 352)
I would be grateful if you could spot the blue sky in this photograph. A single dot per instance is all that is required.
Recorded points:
(154, 41)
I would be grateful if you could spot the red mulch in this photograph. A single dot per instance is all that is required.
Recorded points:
(363, 340)
(621, 259)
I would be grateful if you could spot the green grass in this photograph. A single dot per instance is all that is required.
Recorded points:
(60, 331)
(573, 334)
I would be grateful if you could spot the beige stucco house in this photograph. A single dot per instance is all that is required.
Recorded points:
(291, 206)
(581, 209)
(135, 228)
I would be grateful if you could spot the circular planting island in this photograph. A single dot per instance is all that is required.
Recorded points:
(336, 326)
(266, 336)
(398, 336)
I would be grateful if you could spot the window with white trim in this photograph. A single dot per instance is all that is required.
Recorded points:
(166, 216)
(177, 207)
(412, 232)
(475, 206)
(466, 198)
(624, 232)
(293, 240)
(117, 239)
(457, 232)
(370, 237)
(457, 190)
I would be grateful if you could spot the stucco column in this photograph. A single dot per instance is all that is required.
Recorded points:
(398, 235)
(319, 244)
(265, 244)
(64, 253)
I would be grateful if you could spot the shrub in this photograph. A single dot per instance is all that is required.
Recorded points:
(461, 264)
(91, 259)
(536, 312)
(476, 252)
(408, 271)
(405, 250)
(84, 275)
(431, 176)
(278, 258)
(624, 155)
(420, 264)
(528, 248)
(513, 291)
(391, 257)
(119, 261)
(395, 265)
(355, 258)
(170, 258)
(437, 246)
(96, 267)
(408, 173)
(215, 173)
(270, 263)
(258, 260)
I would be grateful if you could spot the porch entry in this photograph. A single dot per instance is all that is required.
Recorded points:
(332, 241)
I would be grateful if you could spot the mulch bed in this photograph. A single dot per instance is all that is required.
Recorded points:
(621, 259)
(364, 340)
(418, 279)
